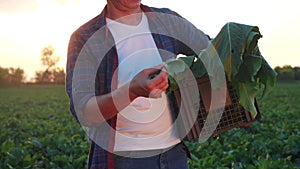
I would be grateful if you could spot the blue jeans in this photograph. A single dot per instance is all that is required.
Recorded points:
(174, 158)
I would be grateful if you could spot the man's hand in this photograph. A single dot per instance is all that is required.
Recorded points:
(145, 85)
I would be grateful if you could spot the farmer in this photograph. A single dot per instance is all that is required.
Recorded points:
(111, 60)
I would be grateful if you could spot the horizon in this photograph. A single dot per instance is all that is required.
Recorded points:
(29, 26)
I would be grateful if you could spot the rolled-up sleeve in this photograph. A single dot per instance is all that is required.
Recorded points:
(80, 79)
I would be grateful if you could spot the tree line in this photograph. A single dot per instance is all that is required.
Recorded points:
(11, 76)
(50, 74)
(287, 73)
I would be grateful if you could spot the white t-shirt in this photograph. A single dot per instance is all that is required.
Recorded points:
(145, 124)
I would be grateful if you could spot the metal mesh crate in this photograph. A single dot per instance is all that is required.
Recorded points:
(233, 115)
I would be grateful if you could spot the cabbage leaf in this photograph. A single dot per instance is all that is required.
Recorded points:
(245, 68)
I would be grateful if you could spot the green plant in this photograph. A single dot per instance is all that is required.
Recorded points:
(235, 49)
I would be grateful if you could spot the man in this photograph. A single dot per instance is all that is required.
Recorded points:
(112, 90)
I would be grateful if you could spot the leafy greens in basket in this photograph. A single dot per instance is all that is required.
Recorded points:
(236, 48)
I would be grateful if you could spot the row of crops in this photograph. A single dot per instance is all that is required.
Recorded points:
(37, 131)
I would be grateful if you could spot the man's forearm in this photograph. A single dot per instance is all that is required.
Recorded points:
(101, 108)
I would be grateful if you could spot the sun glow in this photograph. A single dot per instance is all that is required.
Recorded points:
(29, 26)
(50, 23)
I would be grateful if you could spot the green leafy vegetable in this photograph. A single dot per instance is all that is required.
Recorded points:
(246, 92)
(267, 77)
(232, 42)
(235, 49)
(249, 68)
(175, 66)
(243, 64)
(188, 60)
(176, 69)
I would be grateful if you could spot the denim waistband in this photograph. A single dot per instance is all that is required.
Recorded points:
(146, 153)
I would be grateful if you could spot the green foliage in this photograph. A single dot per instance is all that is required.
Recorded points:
(235, 52)
(267, 77)
(288, 73)
(244, 65)
(37, 131)
(272, 142)
(11, 77)
(176, 70)
(233, 43)
(52, 76)
(175, 66)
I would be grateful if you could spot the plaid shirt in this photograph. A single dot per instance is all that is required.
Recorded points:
(168, 32)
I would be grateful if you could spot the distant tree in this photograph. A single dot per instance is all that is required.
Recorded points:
(297, 73)
(11, 76)
(286, 72)
(38, 76)
(48, 58)
(4, 75)
(44, 77)
(51, 74)
(16, 76)
(59, 75)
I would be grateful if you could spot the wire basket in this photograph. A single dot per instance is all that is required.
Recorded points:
(233, 115)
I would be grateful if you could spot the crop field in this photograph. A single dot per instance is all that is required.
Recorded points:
(37, 131)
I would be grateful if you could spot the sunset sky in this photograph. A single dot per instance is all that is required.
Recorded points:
(27, 26)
